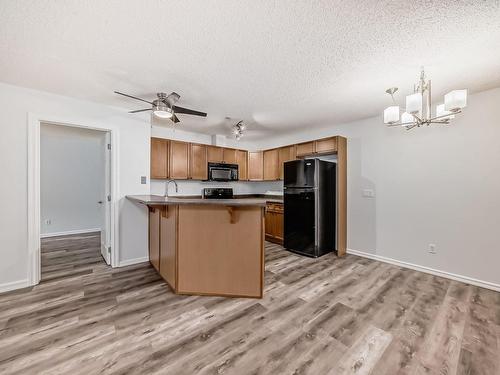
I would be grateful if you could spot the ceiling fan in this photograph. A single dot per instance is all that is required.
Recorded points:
(164, 106)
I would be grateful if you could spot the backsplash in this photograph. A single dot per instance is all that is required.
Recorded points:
(189, 187)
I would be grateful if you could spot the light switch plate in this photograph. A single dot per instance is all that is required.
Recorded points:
(143, 180)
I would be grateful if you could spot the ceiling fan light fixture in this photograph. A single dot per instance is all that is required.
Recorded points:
(162, 111)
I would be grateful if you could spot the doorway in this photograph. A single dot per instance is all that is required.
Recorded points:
(71, 209)
(75, 197)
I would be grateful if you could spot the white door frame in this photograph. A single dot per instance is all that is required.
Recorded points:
(34, 122)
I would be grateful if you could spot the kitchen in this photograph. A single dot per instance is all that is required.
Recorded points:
(247, 187)
(193, 238)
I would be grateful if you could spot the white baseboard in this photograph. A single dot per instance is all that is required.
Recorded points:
(432, 271)
(68, 232)
(129, 262)
(6, 287)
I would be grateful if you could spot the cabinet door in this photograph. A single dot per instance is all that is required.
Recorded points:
(198, 162)
(286, 153)
(271, 165)
(179, 157)
(304, 149)
(154, 238)
(215, 154)
(269, 225)
(279, 227)
(229, 156)
(255, 166)
(159, 158)
(242, 160)
(325, 146)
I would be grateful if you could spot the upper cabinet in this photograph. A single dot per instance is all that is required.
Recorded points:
(198, 161)
(326, 145)
(320, 146)
(285, 154)
(182, 160)
(271, 165)
(306, 148)
(229, 156)
(255, 166)
(215, 154)
(179, 160)
(242, 161)
(159, 158)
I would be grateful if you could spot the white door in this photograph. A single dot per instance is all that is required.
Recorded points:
(105, 202)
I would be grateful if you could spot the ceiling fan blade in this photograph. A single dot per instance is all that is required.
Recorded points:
(141, 110)
(175, 119)
(133, 97)
(188, 111)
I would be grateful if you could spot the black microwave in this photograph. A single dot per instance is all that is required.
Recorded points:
(222, 172)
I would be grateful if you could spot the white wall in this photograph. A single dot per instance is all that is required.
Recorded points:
(436, 184)
(71, 178)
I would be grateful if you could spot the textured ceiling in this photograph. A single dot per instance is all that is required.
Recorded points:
(279, 65)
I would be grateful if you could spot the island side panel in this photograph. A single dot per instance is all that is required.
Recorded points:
(154, 237)
(168, 244)
(220, 250)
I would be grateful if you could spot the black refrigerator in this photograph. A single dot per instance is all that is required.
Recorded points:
(310, 207)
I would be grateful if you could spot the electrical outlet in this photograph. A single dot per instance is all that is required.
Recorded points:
(143, 180)
(432, 248)
(48, 221)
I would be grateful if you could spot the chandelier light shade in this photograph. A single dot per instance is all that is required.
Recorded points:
(455, 100)
(391, 114)
(407, 119)
(418, 106)
(441, 112)
(414, 103)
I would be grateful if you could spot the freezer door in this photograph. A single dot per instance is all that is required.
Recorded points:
(299, 173)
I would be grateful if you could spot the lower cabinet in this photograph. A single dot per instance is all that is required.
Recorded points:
(274, 223)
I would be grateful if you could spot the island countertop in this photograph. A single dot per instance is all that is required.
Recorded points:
(172, 201)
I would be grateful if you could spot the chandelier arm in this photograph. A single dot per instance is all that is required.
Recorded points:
(444, 116)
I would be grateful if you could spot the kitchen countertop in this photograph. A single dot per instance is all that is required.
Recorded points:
(160, 201)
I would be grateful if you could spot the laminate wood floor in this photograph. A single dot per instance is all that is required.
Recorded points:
(319, 316)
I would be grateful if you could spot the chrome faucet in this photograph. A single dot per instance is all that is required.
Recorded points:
(166, 187)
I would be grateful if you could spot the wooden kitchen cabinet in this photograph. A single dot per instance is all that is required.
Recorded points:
(215, 154)
(255, 166)
(229, 156)
(159, 158)
(271, 165)
(242, 161)
(197, 161)
(304, 149)
(179, 160)
(285, 154)
(274, 222)
(326, 146)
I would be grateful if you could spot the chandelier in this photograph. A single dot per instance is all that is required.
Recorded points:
(418, 106)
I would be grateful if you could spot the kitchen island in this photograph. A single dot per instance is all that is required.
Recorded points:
(207, 246)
